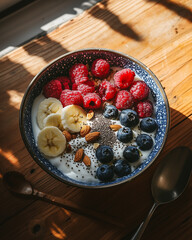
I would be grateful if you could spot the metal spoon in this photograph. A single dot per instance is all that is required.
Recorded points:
(17, 184)
(169, 181)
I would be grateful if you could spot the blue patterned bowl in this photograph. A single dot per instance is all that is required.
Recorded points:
(60, 66)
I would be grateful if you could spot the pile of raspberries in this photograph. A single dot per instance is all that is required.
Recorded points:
(79, 88)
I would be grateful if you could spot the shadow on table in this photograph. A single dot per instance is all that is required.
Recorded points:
(46, 48)
(179, 9)
(15, 78)
(12, 93)
(104, 14)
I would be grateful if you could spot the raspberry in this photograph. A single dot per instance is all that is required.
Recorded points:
(52, 89)
(65, 82)
(81, 80)
(85, 89)
(123, 100)
(107, 90)
(100, 68)
(69, 97)
(78, 73)
(124, 78)
(91, 101)
(144, 109)
(139, 90)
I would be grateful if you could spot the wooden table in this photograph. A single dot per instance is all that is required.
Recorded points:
(158, 33)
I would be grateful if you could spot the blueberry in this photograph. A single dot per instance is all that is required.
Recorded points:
(105, 173)
(129, 118)
(131, 154)
(104, 154)
(125, 134)
(110, 112)
(122, 168)
(148, 125)
(144, 142)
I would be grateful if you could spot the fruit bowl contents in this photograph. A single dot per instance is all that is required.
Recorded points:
(94, 118)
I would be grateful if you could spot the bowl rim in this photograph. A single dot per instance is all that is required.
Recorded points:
(24, 99)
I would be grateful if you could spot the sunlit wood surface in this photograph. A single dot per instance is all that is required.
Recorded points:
(158, 33)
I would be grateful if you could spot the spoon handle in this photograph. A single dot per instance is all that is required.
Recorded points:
(76, 208)
(143, 225)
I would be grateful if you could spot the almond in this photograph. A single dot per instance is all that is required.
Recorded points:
(87, 161)
(95, 145)
(79, 155)
(90, 115)
(85, 130)
(91, 137)
(115, 127)
(67, 135)
(73, 136)
(68, 148)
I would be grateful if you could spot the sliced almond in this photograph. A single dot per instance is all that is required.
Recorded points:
(90, 115)
(97, 82)
(67, 135)
(107, 103)
(115, 127)
(85, 130)
(92, 137)
(87, 161)
(95, 145)
(79, 155)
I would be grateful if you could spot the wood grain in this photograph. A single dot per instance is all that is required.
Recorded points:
(159, 34)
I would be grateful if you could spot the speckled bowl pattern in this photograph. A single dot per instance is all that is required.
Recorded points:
(60, 66)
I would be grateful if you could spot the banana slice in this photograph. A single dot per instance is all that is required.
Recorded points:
(51, 141)
(46, 107)
(73, 117)
(54, 119)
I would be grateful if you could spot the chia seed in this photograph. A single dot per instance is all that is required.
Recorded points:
(101, 124)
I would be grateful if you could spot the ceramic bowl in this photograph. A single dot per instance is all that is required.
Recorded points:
(59, 67)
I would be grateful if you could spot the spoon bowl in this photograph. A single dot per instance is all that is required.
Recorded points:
(172, 175)
(17, 183)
